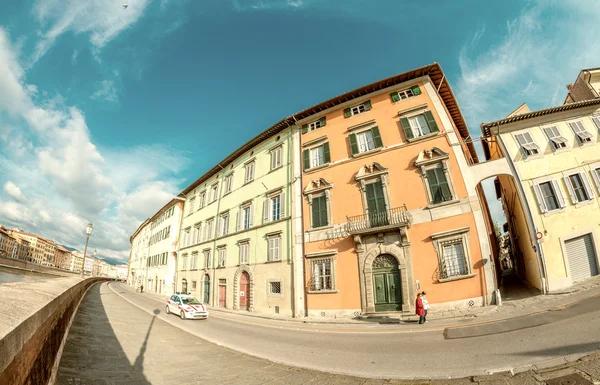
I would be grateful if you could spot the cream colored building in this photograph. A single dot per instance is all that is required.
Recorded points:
(76, 261)
(42, 250)
(138, 255)
(552, 204)
(7, 244)
(161, 261)
(235, 248)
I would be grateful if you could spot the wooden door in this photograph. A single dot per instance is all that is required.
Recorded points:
(222, 295)
(245, 291)
(206, 289)
(387, 286)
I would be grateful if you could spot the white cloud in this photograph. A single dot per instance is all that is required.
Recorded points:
(245, 5)
(107, 91)
(14, 191)
(103, 20)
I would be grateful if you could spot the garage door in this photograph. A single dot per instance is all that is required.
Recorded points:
(582, 257)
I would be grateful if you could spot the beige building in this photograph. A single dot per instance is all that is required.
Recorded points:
(7, 244)
(236, 244)
(62, 258)
(138, 255)
(552, 203)
(76, 261)
(42, 250)
(586, 86)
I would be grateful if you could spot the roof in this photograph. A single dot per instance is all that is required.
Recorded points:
(140, 227)
(435, 73)
(164, 208)
(34, 235)
(485, 127)
(59, 247)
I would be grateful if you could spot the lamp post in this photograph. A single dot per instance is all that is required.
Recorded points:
(88, 232)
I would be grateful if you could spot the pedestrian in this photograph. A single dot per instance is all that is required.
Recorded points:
(142, 288)
(419, 309)
(425, 305)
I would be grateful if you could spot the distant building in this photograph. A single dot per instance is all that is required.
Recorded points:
(586, 87)
(42, 250)
(76, 261)
(62, 258)
(7, 244)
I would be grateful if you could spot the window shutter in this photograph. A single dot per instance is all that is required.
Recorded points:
(238, 220)
(304, 128)
(395, 97)
(376, 137)
(323, 215)
(433, 127)
(266, 211)
(306, 155)
(434, 186)
(443, 184)
(538, 197)
(367, 105)
(596, 177)
(252, 215)
(558, 192)
(315, 213)
(416, 90)
(406, 127)
(326, 155)
(282, 205)
(323, 121)
(347, 112)
(218, 227)
(353, 144)
(571, 191)
(588, 186)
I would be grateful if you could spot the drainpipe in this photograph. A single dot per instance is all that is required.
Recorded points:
(528, 215)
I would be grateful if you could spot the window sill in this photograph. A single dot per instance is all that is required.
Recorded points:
(276, 261)
(561, 150)
(220, 267)
(585, 203)
(549, 213)
(276, 168)
(423, 137)
(366, 153)
(248, 182)
(313, 229)
(317, 167)
(461, 277)
(323, 291)
(528, 158)
(227, 193)
(447, 203)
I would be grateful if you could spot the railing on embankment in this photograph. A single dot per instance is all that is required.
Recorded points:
(35, 318)
(20, 264)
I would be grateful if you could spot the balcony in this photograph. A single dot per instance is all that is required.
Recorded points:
(374, 222)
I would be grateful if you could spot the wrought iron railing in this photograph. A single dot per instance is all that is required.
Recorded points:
(398, 216)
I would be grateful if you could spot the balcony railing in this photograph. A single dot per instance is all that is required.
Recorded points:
(398, 216)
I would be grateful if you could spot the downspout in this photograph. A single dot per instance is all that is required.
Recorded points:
(216, 221)
(528, 214)
(302, 221)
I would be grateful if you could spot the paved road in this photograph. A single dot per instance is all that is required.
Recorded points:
(391, 352)
(16, 275)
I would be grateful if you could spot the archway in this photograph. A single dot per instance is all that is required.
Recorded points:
(386, 283)
(206, 288)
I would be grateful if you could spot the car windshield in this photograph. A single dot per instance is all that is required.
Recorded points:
(190, 301)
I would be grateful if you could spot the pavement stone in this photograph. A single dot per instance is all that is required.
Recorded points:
(592, 368)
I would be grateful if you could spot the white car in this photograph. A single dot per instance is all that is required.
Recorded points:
(186, 306)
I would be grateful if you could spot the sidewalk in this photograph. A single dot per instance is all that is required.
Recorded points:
(509, 309)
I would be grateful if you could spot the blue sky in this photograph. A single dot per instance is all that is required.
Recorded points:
(107, 112)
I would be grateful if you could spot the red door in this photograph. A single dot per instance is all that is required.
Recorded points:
(222, 295)
(245, 291)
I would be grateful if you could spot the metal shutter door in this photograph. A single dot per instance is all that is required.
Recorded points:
(582, 257)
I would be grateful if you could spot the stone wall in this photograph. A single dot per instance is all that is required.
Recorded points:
(35, 320)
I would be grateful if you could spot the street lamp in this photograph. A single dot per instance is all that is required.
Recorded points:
(88, 232)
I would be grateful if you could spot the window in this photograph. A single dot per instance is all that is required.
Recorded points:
(274, 251)
(228, 182)
(453, 263)
(244, 253)
(202, 198)
(186, 237)
(438, 185)
(419, 125)
(321, 274)
(193, 284)
(596, 120)
(207, 263)
(249, 176)
(194, 261)
(208, 230)
(275, 287)
(365, 141)
(558, 141)
(222, 256)
(224, 224)
(405, 94)
(192, 204)
(549, 196)
(184, 260)
(527, 144)
(596, 176)
(276, 157)
(581, 133)
(579, 188)
(314, 125)
(213, 192)
(359, 109)
(197, 233)
(245, 217)
(317, 156)
(275, 208)
(319, 211)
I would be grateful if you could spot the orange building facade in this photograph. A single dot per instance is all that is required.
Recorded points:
(387, 210)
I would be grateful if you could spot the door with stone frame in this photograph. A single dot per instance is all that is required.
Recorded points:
(387, 284)
(222, 293)
(244, 291)
(206, 288)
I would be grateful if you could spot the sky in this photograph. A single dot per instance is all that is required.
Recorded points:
(107, 112)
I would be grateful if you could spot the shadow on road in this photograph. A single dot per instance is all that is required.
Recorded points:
(563, 350)
(93, 349)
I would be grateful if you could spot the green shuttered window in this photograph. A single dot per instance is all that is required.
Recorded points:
(319, 212)
(438, 185)
(419, 125)
(322, 122)
(405, 94)
(359, 109)
(365, 141)
(316, 156)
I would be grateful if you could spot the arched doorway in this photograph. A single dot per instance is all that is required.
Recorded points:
(184, 285)
(387, 284)
(245, 291)
(206, 288)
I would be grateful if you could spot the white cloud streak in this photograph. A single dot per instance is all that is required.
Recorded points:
(14, 191)
(107, 91)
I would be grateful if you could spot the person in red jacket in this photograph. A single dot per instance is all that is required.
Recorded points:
(420, 310)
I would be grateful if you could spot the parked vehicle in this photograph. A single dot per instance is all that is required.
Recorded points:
(186, 306)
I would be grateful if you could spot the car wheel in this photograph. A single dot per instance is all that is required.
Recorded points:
(167, 310)
(182, 315)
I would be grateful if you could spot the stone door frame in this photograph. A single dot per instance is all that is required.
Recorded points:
(236, 288)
